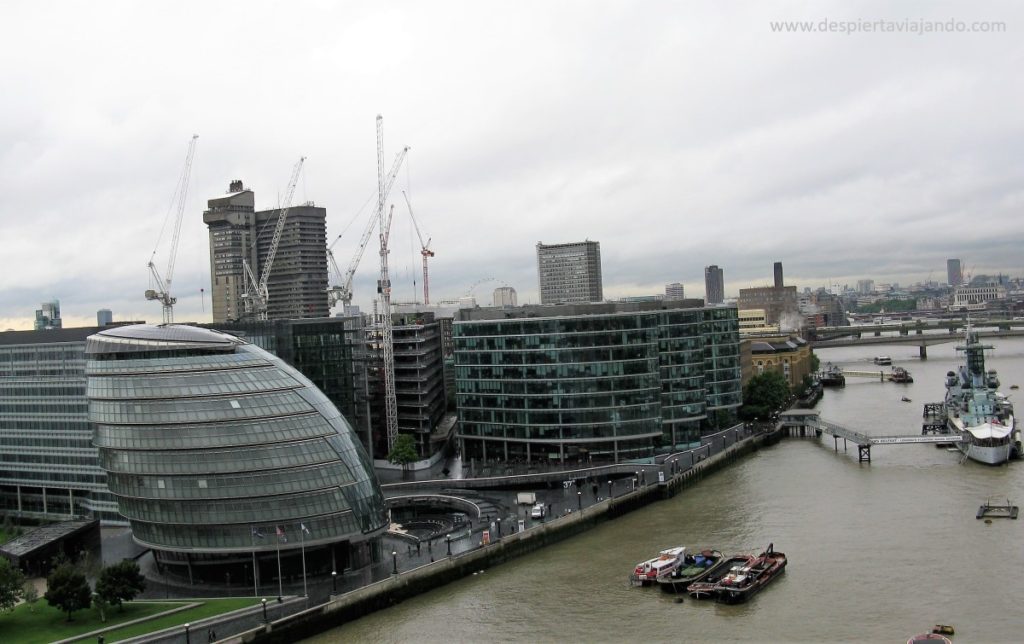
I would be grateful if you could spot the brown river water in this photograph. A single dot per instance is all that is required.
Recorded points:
(877, 552)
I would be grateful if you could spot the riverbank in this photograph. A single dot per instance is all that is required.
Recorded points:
(373, 597)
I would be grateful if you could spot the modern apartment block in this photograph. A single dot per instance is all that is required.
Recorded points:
(570, 273)
(714, 285)
(49, 469)
(505, 296)
(419, 383)
(48, 316)
(609, 381)
(674, 291)
(297, 284)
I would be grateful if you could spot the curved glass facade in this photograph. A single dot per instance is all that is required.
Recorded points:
(611, 385)
(212, 445)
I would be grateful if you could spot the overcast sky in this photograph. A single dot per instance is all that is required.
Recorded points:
(678, 134)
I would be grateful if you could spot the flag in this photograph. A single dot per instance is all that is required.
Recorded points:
(281, 535)
(304, 528)
(256, 533)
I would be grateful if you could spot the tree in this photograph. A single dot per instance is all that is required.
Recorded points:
(120, 582)
(403, 451)
(67, 589)
(102, 606)
(12, 585)
(815, 363)
(764, 394)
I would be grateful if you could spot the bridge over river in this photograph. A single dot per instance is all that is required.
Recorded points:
(855, 336)
(805, 422)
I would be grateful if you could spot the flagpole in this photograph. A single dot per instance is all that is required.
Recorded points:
(252, 541)
(302, 533)
(280, 593)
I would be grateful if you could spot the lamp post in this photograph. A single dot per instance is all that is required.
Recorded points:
(448, 540)
(579, 501)
(187, 637)
(609, 488)
(334, 582)
(394, 560)
(499, 527)
(264, 600)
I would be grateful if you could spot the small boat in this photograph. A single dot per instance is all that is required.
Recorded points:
(646, 572)
(744, 579)
(692, 569)
(900, 376)
(905, 399)
(1014, 386)
(832, 376)
(883, 360)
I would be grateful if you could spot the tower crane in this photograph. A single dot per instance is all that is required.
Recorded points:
(424, 250)
(162, 290)
(342, 290)
(256, 296)
(384, 290)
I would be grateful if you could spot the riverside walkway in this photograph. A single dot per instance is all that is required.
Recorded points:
(804, 422)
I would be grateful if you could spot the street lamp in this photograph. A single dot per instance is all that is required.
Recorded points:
(264, 600)
(499, 527)
(187, 638)
(394, 560)
(448, 539)
(334, 581)
(609, 488)
(579, 500)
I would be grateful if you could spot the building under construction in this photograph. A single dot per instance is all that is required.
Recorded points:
(239, 234)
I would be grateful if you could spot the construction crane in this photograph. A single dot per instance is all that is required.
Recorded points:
(162, 284)
(341, 291)
(256, 295)
(384, 292)
(424, 250)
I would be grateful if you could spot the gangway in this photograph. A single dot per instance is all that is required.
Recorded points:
(804, 421)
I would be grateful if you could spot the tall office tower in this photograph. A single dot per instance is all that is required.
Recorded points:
(864, 287)
(778, 275)
(569, 272)
(505, 296)
(48, 316)
(104, 317)
(297, 285)
(674, 291)
(954, 272)
(714, 285)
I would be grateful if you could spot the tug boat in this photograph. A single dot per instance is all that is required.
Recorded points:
(646, 572)
(743, 580)
(692, 569)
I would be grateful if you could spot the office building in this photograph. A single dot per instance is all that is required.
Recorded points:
(954, 273)
(240, 235)
(778, 275)
(218, 452)
(865, 287)
(781, 305)
(569, 273)
(674, 291)
(714, 285)
(505, 296)
(104, 317)
(609, 381)
(49, 469)
(48, 316)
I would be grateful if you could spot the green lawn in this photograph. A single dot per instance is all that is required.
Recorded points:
(47, 624)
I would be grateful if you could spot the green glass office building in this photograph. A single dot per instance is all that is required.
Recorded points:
(610, 381)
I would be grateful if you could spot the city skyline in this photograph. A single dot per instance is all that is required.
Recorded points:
(835, 168)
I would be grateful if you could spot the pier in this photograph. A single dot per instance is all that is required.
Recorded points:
(805, 422)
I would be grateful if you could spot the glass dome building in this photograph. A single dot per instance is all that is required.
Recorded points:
(220, 455)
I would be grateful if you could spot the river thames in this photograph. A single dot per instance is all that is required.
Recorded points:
(877, 552)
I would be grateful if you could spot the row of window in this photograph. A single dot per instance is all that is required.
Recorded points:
(254, 432)
(607, 418)
(260, 534)
(565, 386)
(625, 431)
(197, 409)
(240, 381)
(242, 485)
(250, 510)
(241, 459)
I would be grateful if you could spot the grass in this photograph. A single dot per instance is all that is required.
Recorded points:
(47, 624)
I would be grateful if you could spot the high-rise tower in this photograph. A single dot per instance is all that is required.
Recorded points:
(570, 272)
(714, 285)
(297, 286)
(954, 272)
